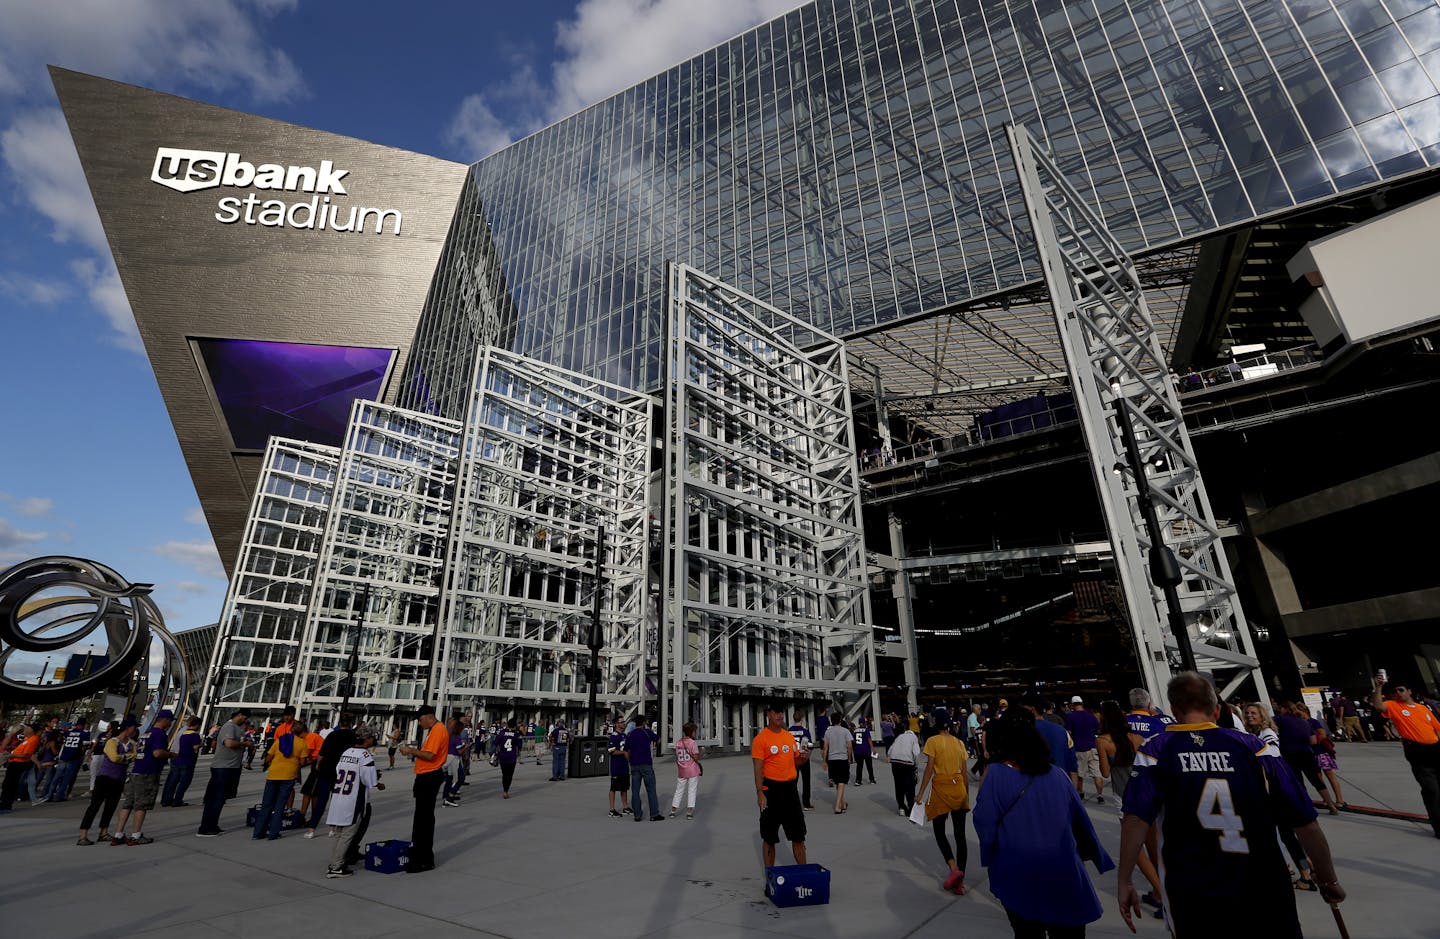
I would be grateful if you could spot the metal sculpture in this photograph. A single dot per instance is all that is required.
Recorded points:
(52, 603)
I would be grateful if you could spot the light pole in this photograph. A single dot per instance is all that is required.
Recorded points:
(1164, 568)
(596, 639)
(352, 662)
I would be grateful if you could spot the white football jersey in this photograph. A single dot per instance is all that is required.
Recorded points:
(355, 774)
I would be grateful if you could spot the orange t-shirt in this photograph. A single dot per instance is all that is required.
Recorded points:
(777, 749)
(438, 743)
(313, 742)
(283, 728)
(27, 748)
(1413, 721)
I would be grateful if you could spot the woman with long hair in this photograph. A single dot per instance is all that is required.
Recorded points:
(949, 797)
(1034, 830)
(687, 771)
(1259, 723)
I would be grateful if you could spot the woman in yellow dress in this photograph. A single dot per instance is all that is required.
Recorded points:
(950, 795)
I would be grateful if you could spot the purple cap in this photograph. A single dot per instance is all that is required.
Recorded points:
(164, 712)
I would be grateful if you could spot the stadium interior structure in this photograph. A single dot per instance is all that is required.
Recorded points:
(1270, 169)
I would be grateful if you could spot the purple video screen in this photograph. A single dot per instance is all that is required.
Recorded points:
(289, 389)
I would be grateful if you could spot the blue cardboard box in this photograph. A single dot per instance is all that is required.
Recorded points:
(797, 884)
(387, 857)
(292, 820)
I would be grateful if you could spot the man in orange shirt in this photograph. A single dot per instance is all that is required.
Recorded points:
(1420, 736)
(21, 759)
(429, 776)
(775, 755)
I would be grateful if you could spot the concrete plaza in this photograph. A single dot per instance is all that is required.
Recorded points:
(549, 862)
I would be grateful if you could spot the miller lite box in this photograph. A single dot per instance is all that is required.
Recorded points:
(387, 857)
(798, 885)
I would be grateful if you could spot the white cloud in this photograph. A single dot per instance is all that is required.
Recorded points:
(209, 44)
(191, 588)
(608, 46)
(35, 506)
(12, 537)
(34, 290)
(212, 45)
(195, 516)
(200, 556)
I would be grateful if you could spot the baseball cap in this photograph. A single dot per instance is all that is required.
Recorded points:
(776, 706)
(164, 712)
(940, 717)
(1077, 700)
(425, 709)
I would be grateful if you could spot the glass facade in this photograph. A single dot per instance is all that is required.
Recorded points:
(847, 161)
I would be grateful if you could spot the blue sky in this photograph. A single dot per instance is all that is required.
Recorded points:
(89, 465)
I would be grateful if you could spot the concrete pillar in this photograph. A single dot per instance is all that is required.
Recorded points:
(905, 612)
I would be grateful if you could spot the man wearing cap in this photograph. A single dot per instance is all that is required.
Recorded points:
(231, 749)
(774, 755)
(353, 776)
(429, 776)
(1419, 736)
(144, 783)
(1083, 727)
(559, 751)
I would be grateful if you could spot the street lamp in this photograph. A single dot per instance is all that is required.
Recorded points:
(352, 662)
(1164, 567)
(596, 639)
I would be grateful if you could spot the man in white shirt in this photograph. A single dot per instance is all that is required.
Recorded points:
(349, 810)
(904, 757)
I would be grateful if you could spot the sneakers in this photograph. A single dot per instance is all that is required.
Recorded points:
(451, 803)
(673, 810)
(656, 818)
(210, 834)
(337, 872)
(309, 833)
(904, 814)
(116, 841)
(627, 810)
(1100, 799)
(141, 840)
(41, 801)
(690, 815)
(614, 814)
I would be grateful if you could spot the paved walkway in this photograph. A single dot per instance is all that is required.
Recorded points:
(549, 862)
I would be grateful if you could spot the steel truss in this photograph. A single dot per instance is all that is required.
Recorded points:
(1113, 352)
(766, 569)
(256, 653)
(550, 458)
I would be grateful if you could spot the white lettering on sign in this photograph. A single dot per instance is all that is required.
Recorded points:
(186, 170)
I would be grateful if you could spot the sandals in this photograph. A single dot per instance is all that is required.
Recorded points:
(1305, 884)
(84, 840)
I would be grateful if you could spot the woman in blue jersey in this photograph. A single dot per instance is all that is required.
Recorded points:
(1028, 818)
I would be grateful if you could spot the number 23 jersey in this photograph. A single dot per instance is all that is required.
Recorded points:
(1218, 795)
(355, 774)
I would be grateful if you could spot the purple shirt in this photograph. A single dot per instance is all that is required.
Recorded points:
(1083, 727)
(618, 764)
(188, 748)
(507, 745)
(147, 764)
(1294, 733)
(639, 743)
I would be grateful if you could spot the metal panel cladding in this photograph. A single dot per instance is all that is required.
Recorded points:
(847, 162)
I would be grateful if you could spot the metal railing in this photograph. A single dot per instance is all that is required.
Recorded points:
(1248, 368)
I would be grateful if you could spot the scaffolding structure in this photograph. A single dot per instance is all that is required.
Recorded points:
(456, 563)
(765, 572)
(552, 507)
(1120, 379)
(256, 652)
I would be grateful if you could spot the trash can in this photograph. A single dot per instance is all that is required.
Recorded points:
(589, 756)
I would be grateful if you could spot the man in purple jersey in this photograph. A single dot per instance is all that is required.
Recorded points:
(1218, 795)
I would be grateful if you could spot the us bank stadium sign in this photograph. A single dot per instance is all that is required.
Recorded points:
(193, 170)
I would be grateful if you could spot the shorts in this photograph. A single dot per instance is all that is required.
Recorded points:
(308, 787)
(782, 810)
(1326, 762)
(1087, 764)
(391, 750)
(839, 771)
(140, 791)
(620, 782)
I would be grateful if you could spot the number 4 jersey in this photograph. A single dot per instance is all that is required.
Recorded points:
(355, 775)
(1218, 795)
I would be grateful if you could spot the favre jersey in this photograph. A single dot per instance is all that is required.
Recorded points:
(355, 774)
(1218, 795)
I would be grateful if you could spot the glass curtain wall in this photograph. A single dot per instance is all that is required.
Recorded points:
(847, 161)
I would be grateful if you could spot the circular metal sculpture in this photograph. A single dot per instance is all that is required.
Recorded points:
(52, 603)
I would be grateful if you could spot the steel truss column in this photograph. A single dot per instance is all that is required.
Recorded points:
(905, 614)
(765, 576)
(1115, 362)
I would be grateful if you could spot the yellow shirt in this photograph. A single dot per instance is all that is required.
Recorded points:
(284, 767)
(950, 790)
